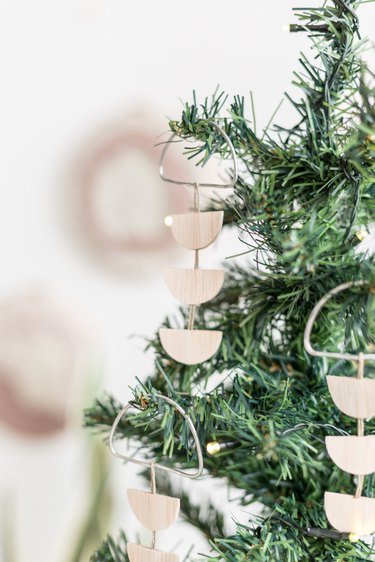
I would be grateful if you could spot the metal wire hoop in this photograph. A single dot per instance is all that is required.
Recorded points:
(216, 185)
(114, 451)
(313, 315)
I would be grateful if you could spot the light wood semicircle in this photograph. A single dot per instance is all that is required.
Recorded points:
(194, 286)
(348, 514)
(196, 231)
(353, 454)
(190, 346)
(139, 553)
(155, 511)
(354, 397)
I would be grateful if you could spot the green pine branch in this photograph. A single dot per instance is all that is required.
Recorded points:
(304, 200)
(111, 550)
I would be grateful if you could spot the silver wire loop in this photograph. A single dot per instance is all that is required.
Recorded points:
(216, 185)
(121, 414)
(313, 315)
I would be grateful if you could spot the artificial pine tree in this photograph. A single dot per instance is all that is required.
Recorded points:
(303, 203)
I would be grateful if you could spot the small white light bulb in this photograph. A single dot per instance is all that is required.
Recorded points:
(213, 447)
(168, 221)
(361, 234)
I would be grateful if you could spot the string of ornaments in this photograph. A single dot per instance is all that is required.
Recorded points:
(355, 454)
(194, 231)
(155, 512)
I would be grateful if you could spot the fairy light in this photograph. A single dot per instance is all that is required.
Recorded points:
(168, 221)
(213, 447)
(361, 234)
(353, 537)
(286, 28)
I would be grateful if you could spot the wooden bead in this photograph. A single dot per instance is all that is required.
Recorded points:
(352, 454)
(154, 511)
(190, 346)
(348, 514)
(195, 231)
(138, 553)
(354, 397)
(194, 286)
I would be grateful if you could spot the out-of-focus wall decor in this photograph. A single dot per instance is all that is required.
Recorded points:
(120, 201)
(42, 365)
(48, 371)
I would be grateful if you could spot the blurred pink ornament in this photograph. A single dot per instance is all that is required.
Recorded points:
(122, 200)
(39, 358)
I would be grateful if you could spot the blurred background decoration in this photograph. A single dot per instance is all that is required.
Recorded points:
(118, 199)
(86, 86)
(47, 374)
(41, 362)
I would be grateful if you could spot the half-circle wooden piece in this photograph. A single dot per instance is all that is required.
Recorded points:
(354, 397)
(154, 511)
(194, 286)
(350, 515)
(138, 553)
(195, 231)
(190, 346)
(352, 454)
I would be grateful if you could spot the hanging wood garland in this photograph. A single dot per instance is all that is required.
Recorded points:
(154, 511)
(195, 231)
(353, 454)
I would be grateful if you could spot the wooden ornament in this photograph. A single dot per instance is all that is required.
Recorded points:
(354, 397)
(155, 511)
(138, 553)
(194, 286)
(190, 346)
(352, 454)
(195, 231)
(348, 514)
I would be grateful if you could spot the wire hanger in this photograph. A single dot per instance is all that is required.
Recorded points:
(151, 464)
(313, 315)
(216, 185)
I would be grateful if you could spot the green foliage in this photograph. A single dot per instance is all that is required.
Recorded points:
(305, 195)
(111, 551)
(205, 516)
(280, 538)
